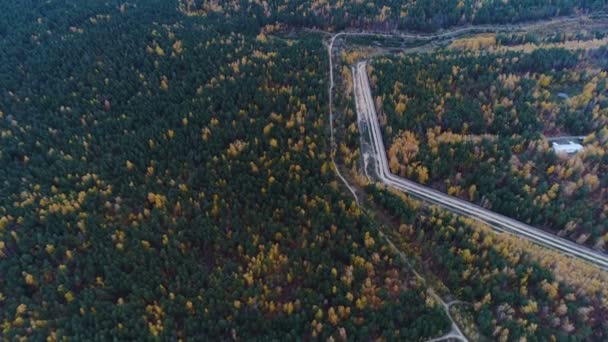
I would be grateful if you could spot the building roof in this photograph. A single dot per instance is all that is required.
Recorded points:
(569, 147)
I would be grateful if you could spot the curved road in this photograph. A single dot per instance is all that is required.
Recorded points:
(429, 37)
(366, 111)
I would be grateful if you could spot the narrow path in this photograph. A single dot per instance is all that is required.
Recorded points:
(331, 120)
(455, 332)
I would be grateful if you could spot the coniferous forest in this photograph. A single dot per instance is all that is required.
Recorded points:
(166, 174)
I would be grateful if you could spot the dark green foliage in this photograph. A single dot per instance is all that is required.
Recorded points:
(421, 15)
(499, 284)
(142, 197)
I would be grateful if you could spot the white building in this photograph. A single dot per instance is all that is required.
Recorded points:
(567, 148)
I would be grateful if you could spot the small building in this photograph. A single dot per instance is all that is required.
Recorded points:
(567, 148)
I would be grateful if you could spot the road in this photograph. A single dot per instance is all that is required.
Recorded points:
(367, 112)
(429, 37)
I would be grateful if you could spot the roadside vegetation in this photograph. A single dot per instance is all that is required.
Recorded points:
(474, 121)
(512, 293)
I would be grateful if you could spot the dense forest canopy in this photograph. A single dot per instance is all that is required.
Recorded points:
(166, 174)
(426, 15)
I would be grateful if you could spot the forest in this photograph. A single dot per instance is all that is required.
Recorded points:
(425, 15)
(511, 291)
(166, 175)
(476, 119)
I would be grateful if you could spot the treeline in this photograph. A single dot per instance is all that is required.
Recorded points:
(425, 15)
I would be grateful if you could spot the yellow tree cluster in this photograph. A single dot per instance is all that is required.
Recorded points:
(403, 150)
(475, 43)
